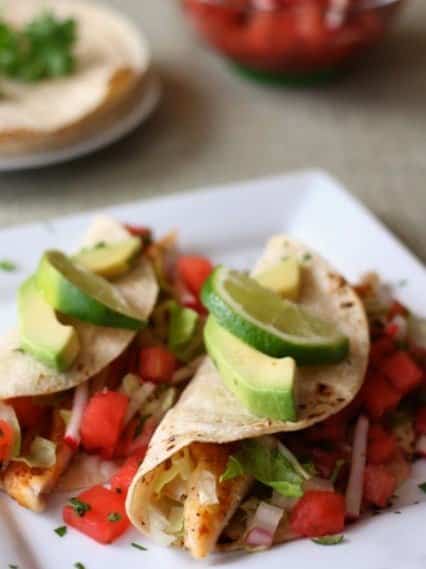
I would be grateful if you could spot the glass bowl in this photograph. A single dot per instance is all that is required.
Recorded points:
(292, 40)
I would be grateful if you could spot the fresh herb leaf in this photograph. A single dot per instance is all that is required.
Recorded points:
(329, 540)
(79, 507)
(61, 531)
(5, 264)
(138, 546)
(336, 470)
(306, 257)
(233, 469)
(100, 245)
(114, 517)
(267, 465)
(13, 566)
(42, 49)
(79, 565)
(19, 350)
(422, 487)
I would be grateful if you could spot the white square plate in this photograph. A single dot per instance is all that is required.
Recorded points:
(231, 224)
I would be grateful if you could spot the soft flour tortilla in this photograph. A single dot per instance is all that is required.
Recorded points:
(207, 412)
(112, 60)
(21, 374)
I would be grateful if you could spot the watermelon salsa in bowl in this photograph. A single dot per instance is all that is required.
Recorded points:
(292, 39)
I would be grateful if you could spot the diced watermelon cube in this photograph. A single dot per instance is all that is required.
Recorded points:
(402, 372)
(379, 485)
(318, 513)
(381, 445)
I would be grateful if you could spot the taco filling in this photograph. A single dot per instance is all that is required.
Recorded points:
(220, 474)
(103, 349)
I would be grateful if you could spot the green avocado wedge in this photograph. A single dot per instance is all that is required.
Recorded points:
(109, 260)
(73, 290)
(42, 335)
(273, 325)
(265, 385)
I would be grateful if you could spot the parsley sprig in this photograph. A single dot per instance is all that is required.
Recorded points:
(79, 507)
(41, 49)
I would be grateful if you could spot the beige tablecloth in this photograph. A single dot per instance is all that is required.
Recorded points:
(369, 130)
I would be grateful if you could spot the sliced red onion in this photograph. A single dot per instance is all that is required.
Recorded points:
(356, 478)
(401, 326)
(336, 13)
(72, 433)
(421, 446)
(263, 525)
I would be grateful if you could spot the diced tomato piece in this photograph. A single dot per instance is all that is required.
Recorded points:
(105, 521)
(157, 364)
(379, 485)
(318, 513)
(382, 445)
(330, 430)
(380, 348)
(29, 414)
(402, 372)
(102, 422)
(122, 479)
(6, 440)
(379, 396)
(194, 270)
(421, 421)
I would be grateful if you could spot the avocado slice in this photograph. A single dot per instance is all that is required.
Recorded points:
(265, 385)
(73, 290)
(283, 278)
(109, 260)
(42, 335)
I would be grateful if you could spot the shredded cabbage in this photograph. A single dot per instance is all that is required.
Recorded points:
(207, 493)
(136, 392)
(181, 465)
(7, 413)
(42, 454)
(159, 405)
(158, 526)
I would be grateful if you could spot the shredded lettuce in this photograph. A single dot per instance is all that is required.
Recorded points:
(162, 401)
(181, 465)
(42, 454)
(7, 413)
(268, 466)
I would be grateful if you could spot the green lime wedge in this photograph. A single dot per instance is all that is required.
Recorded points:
(73, 290)
(270, 324)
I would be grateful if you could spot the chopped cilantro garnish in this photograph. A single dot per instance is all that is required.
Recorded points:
(79, 565)
(329, 540)
(422, 487)
(114, 517)
(7, 266)
(79, 507)
(306, 257)
(336, 470)
(138, 546)
(13, 566)
(41, 49)
(61, 531)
